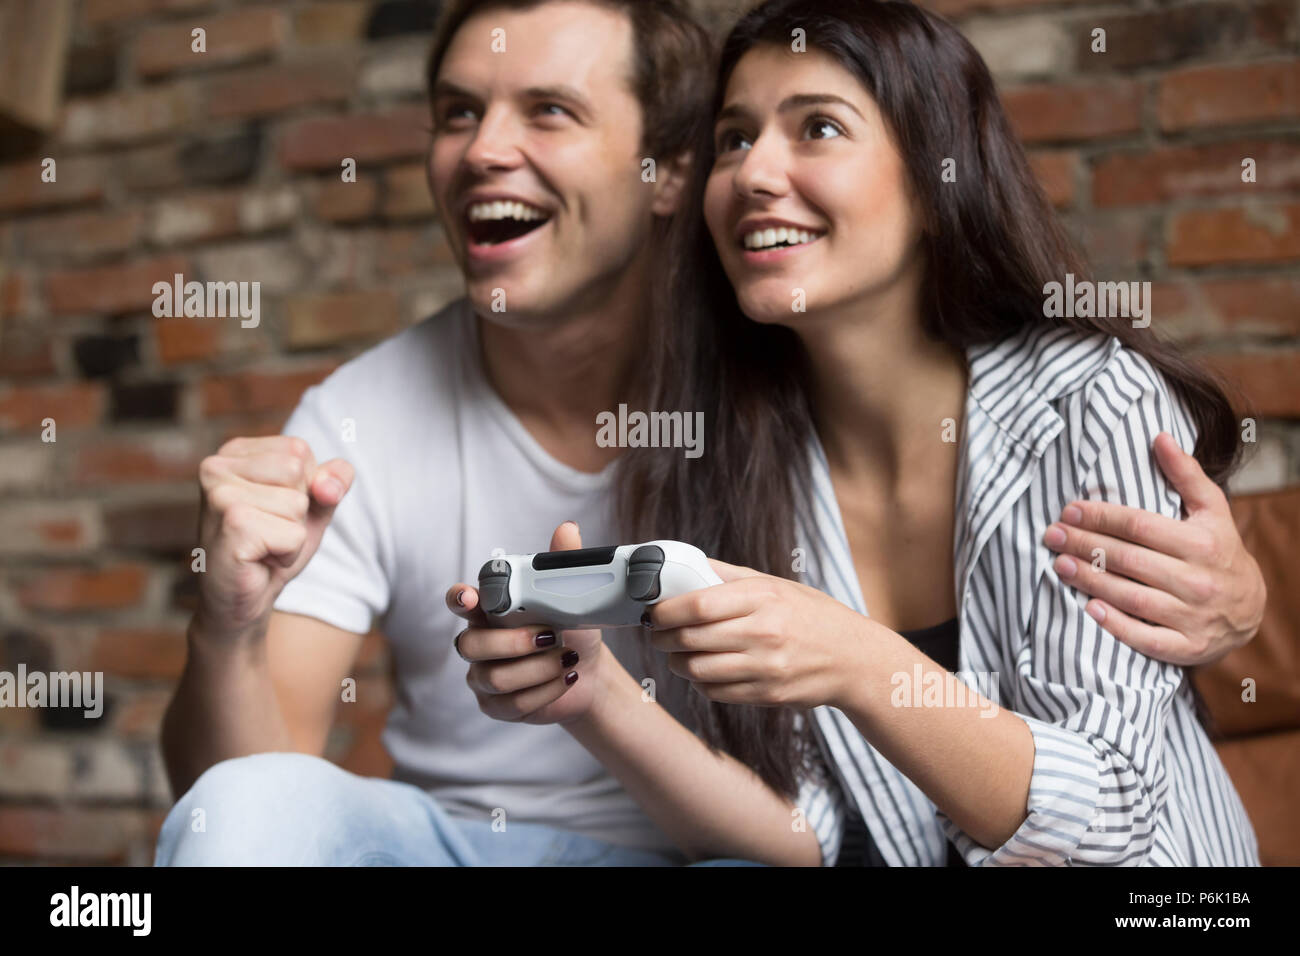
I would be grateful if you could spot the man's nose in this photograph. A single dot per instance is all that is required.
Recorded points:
(495, 145)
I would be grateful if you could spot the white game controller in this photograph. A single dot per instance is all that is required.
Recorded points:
(589, 587)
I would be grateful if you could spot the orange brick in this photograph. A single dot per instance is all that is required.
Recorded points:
(231, 38)
(82, 589)
(1256, 233)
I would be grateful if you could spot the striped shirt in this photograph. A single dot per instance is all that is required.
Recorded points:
(1123, 772)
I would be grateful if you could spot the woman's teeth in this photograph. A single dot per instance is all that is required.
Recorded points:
(768, 238)
(491, 211)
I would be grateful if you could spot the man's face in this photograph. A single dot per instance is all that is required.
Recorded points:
(536, 158)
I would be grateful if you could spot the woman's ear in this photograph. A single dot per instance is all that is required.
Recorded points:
(671, 180)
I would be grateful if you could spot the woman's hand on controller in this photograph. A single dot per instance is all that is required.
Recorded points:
(528, 674)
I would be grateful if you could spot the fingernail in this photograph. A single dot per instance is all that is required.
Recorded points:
(574, 523)
(460, 597)
(1072, 515)
(333, 487)
(544, 639)
(1055, 537)
(1097, 611)
(1065, 567)
(645, 620)
(571, 678)
(569, 659)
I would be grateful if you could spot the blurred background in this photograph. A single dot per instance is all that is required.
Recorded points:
(226, 166)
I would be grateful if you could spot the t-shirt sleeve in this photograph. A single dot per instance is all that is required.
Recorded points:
(345, 583)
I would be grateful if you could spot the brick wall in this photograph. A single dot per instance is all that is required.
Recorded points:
(225, 167)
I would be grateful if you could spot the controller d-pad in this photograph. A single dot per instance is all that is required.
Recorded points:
(643, 567)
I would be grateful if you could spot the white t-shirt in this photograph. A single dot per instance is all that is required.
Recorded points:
(445, 473)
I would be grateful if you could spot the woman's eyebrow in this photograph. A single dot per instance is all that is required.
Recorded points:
(795, 101)
(801, 100)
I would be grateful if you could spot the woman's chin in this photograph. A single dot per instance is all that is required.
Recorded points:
(769, 309)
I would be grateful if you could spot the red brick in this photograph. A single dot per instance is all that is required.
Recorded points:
(316, 320)
(337, 201)
(231, 38)
(1115, 240)
(82, 236)
(241, 393)
(1268, 381)
(1256, 233)
(70, 404)
(406, 193)
(1175, 172)
(78, 180)
(276, 89)
(101, 12)
(14, 294)
(140, 713)
(367, 138)
(195, 218)
(112, 289)
(1249, 305)
(26, 350)
(186, 340)
(406, 251)
(1074, 112)
(84, 589)
(118, 118)
(1230, 95)
(253, 426)
(99, 835)
(1184, 33)
(164, 457)
(1057, 172)
(142, 653)
(161, 527)
(49, 527)
(330, 23)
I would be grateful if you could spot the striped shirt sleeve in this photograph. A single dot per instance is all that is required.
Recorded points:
(824, 809)
(1097, 709)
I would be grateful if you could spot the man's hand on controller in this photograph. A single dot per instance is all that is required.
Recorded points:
(528, 674)
(265, 505)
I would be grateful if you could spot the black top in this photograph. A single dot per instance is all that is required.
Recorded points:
(940, 644)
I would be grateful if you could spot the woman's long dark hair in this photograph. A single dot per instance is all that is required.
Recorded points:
(991, 242)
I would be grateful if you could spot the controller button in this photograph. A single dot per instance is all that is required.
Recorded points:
(643, 567)
(494, 586)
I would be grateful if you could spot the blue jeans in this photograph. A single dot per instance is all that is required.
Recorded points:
(292, 809)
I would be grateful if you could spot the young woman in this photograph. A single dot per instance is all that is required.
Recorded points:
(831, 458)
(880, 226)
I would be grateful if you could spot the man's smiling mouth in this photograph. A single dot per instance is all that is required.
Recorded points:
(493, 222)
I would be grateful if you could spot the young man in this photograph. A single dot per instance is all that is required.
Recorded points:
(471, 432)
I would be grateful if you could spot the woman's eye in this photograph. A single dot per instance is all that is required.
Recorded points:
(456, 114)
(733, 140)
(823, 129)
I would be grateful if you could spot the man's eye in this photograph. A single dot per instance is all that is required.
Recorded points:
(457, 114)
(553, 109)
(821, 128)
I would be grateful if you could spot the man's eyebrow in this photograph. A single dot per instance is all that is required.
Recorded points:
(793, 102)
(447, 88)
(560, 92)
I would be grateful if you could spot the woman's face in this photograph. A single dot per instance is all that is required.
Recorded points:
(807, 202)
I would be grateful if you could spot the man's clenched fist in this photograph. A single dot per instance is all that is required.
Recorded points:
(266, 504)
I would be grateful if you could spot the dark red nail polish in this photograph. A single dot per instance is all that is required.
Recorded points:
(571, 678)
(545, 639)
(569, 659)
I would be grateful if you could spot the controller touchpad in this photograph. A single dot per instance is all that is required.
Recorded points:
(572, 584)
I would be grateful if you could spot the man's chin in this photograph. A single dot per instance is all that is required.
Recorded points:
(510, 303)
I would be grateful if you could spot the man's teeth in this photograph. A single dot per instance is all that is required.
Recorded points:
(766, 238)
(490, 211)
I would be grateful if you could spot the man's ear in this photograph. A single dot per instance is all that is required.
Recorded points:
(671, 179)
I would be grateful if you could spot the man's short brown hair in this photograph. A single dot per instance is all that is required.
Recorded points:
(672, 70)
